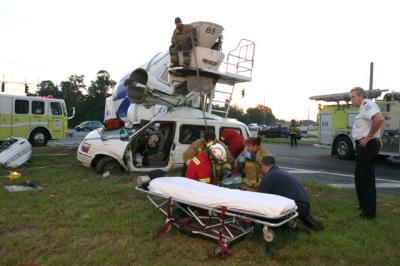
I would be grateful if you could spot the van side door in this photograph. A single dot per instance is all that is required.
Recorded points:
(188, 133)
(152, 147)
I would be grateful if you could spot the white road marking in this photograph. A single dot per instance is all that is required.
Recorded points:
(378, 185)
(307, 171)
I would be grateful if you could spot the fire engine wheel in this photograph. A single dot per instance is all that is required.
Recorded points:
(268, 234)
(108, 164)
(38, 137)
(344, 148)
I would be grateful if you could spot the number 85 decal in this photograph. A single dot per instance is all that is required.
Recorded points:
(210, 30)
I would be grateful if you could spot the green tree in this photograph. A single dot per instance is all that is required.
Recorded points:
(260, 114)
(98, 91)
(47, 87)
(72, 91)
(236, 112)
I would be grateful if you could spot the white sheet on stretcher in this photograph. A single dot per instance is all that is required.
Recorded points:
(191, 191)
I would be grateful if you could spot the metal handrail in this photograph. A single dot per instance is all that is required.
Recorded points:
(244, 53)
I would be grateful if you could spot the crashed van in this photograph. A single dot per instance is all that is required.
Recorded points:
(159, 145)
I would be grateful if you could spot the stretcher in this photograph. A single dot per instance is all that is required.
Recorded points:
(219, 213)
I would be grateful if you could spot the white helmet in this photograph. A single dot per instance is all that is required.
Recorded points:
(218, 151)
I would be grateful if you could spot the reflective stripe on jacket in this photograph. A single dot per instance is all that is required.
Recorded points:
(200, 169)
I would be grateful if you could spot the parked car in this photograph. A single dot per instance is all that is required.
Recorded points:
(170, 135)
(275, 132)
(263, 127)
(253, 126)
(89, 126)
(279, 132)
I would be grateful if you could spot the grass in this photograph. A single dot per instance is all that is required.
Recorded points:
(81, 218)
(287, 141)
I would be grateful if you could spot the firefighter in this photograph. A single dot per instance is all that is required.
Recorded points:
(200, 145)
(234, 140)
(278, 182)
(202, 166)
(249, 163)
(367, 132)
(183, 39)
(293, 133)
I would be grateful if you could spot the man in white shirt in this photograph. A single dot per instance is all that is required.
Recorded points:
(367, 133)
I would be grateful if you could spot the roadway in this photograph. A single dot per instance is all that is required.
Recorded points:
(307, 163)
(315, 164)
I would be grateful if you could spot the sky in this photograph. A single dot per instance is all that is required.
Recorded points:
(303, 48)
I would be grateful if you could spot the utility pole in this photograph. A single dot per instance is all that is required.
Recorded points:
(264, 111)
(371, 75)
(3, 85)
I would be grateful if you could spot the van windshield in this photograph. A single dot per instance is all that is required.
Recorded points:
(113, 134)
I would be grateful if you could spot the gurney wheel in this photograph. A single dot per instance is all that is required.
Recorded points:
(293, 224)
(221, 251)
(168, 229)
(217, 250)
(268, 234)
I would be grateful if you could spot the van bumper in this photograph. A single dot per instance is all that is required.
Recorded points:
(84, 158)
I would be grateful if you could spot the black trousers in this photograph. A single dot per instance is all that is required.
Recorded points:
(364, 176)
(293, 139)
(303, 209)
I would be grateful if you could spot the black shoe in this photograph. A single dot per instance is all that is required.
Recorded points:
(312, 223)
(367, 216)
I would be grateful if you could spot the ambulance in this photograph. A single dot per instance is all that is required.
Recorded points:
(37, 119)
(335, 122)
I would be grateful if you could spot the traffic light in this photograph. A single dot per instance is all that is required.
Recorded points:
(3, 87)
(26, 88)
(242, 93)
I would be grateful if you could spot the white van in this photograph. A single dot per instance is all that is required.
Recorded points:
(175, 131)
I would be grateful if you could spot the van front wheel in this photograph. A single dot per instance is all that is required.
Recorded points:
(38, 138)
(108, 164)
